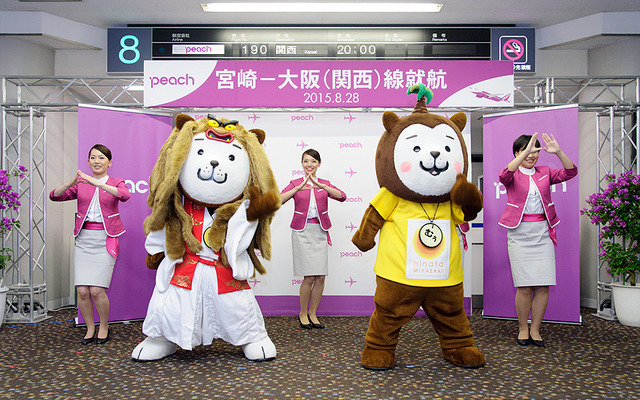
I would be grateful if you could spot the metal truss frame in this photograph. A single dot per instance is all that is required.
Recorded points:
(618, 147)
(27, 100)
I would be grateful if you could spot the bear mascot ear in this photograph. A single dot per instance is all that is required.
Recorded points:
(459, 120)
(389, 119)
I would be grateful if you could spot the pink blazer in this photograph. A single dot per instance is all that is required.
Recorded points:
(108, 204)
(302, 198)
(517, 185)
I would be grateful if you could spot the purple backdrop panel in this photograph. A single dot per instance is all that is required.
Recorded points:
(134, 139)
(499, 132)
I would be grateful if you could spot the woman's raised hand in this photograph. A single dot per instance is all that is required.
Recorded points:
(87, 178)
(552, 145)
(314, 182)
(74, 180)
(531, 147)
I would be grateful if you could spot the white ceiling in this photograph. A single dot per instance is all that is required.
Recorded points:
(525, 13)
(535, 13)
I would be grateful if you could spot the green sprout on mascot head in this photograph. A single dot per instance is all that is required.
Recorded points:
(421, 166)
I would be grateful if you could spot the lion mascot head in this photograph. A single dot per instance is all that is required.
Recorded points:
(215, 163)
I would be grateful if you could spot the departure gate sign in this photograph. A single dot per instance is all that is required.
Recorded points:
(128, 48)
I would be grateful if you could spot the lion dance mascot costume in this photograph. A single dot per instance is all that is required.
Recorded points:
(421, 166)
(213, 196)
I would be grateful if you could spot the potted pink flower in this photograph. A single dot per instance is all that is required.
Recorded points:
(617, 211)
(9, 203)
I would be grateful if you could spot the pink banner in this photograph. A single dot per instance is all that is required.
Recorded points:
(499, 132)
(134, 139)
(328, 83)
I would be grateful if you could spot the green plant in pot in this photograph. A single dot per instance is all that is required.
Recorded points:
(617, 210)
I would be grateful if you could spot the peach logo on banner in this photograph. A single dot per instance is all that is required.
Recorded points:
(350, 254)
(357, 199)
(501, 190)
(308, 117)
(350, 145)
(137, 187)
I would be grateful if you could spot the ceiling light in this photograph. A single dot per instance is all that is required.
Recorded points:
(321, 7)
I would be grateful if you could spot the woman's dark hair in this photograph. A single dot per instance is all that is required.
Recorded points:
(102, 149)
(522, 142)
(313, 153)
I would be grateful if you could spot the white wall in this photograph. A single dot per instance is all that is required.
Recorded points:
(23, 58)
(81, 63)
(618, 59)
(561, 62)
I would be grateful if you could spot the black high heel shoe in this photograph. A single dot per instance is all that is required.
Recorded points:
(86, 341)
(539, 343)
(103, 340)
(523, 342)
(316, 326)
(304, 326)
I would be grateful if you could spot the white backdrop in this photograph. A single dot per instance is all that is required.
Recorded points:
(347, 143)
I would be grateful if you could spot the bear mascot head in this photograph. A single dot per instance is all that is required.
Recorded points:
(213, 195)
(421, 166)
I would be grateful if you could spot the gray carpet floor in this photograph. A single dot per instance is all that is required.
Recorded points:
(596, 360)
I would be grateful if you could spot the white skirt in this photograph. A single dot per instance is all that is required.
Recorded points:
(310, 249)
(93, 264)
(531, 254)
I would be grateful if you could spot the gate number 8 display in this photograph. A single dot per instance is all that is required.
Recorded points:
(125, 48)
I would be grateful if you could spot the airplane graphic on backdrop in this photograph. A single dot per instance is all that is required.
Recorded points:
(350, 117)
(350, 281)
(254, 117)
(495, 97)
(253, 282)
(350, 172)
(351, 227)
(302, 144)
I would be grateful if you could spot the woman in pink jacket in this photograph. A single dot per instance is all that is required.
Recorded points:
(530, 216)
(310, 236)
(97, 228)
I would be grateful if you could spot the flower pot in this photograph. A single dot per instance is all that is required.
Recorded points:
(626, 300)
(3, 302)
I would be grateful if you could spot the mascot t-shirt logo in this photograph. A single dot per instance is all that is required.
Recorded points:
(427, 261)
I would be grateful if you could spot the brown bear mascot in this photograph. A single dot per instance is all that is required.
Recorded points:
(421, 166)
